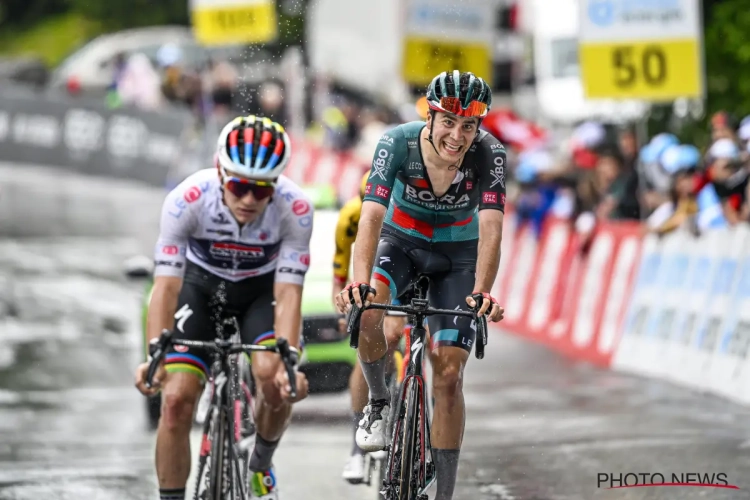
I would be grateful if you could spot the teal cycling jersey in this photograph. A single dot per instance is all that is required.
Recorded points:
(398, 180)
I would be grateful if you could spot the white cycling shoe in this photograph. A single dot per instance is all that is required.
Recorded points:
(354, 470)
(371, 434)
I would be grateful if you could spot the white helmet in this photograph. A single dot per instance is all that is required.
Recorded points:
(254, 147)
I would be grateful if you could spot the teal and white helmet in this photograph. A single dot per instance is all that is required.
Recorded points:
(462, 94)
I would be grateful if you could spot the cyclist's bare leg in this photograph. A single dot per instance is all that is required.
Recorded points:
(393, 329)
(372, 343)
(357, 388)
(448, 365)
(272, 413)
(179, 395)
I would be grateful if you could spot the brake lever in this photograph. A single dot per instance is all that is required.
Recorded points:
(157, 350)
(355, 315)
(481, 322)
(287, 357)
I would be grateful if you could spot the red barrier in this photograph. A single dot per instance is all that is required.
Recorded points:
(315, 165)
(563, 294)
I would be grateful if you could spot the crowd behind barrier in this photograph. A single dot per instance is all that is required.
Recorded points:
(675, 307)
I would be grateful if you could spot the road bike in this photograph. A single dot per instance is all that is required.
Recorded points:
(223, 461)
(409, 469)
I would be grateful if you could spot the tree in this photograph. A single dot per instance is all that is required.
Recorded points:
(122, 14)
(15, 13)
(727, 70)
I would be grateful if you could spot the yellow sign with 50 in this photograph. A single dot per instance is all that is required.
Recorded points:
(659, 70)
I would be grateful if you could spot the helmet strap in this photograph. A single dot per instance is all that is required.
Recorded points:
(429, 139)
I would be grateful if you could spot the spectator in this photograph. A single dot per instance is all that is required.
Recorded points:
(168, 58)
(628, 149)
(139, 85)
(593, 200)
(681, 163)
(723, 126)
(729, 178)
(536, 197)
(621, 198)
(112, 97)
(655, 183)
(222, 83)
(271, 101)
(743, 135)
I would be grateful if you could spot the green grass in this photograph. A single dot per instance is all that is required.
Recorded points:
(51, 40)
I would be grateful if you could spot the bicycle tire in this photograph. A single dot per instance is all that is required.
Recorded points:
(238, 463)
(380, 475)
(203, 459)
(409, 443)
(214, 480)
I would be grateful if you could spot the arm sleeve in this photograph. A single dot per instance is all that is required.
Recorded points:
(177, 221)
(390, 154)
(346, 233)
(294, 256)
(491, 164)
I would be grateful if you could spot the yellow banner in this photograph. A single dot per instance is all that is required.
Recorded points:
(229, 25)
(425, 58)
(659, 70)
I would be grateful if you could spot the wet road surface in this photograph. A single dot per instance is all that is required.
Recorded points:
(539, 427)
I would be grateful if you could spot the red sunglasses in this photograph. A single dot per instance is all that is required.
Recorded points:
(240, 188)
(453, 105)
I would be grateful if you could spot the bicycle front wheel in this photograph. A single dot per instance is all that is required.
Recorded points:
(411, 455)
(211, 478)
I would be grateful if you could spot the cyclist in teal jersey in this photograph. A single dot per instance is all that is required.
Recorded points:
(434, 205)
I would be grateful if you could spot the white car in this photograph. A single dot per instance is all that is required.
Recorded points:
(93, 64)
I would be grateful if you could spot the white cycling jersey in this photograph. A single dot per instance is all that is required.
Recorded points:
(197, 226)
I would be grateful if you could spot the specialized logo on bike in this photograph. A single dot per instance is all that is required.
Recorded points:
(231, 251)
(425, 198)
(416, 347)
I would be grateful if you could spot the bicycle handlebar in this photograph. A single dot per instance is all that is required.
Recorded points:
(418, 306)
(159, 348)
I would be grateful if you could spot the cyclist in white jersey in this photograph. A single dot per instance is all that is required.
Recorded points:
(244, 228)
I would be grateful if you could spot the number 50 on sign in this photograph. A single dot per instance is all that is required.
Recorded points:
(661, 70)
